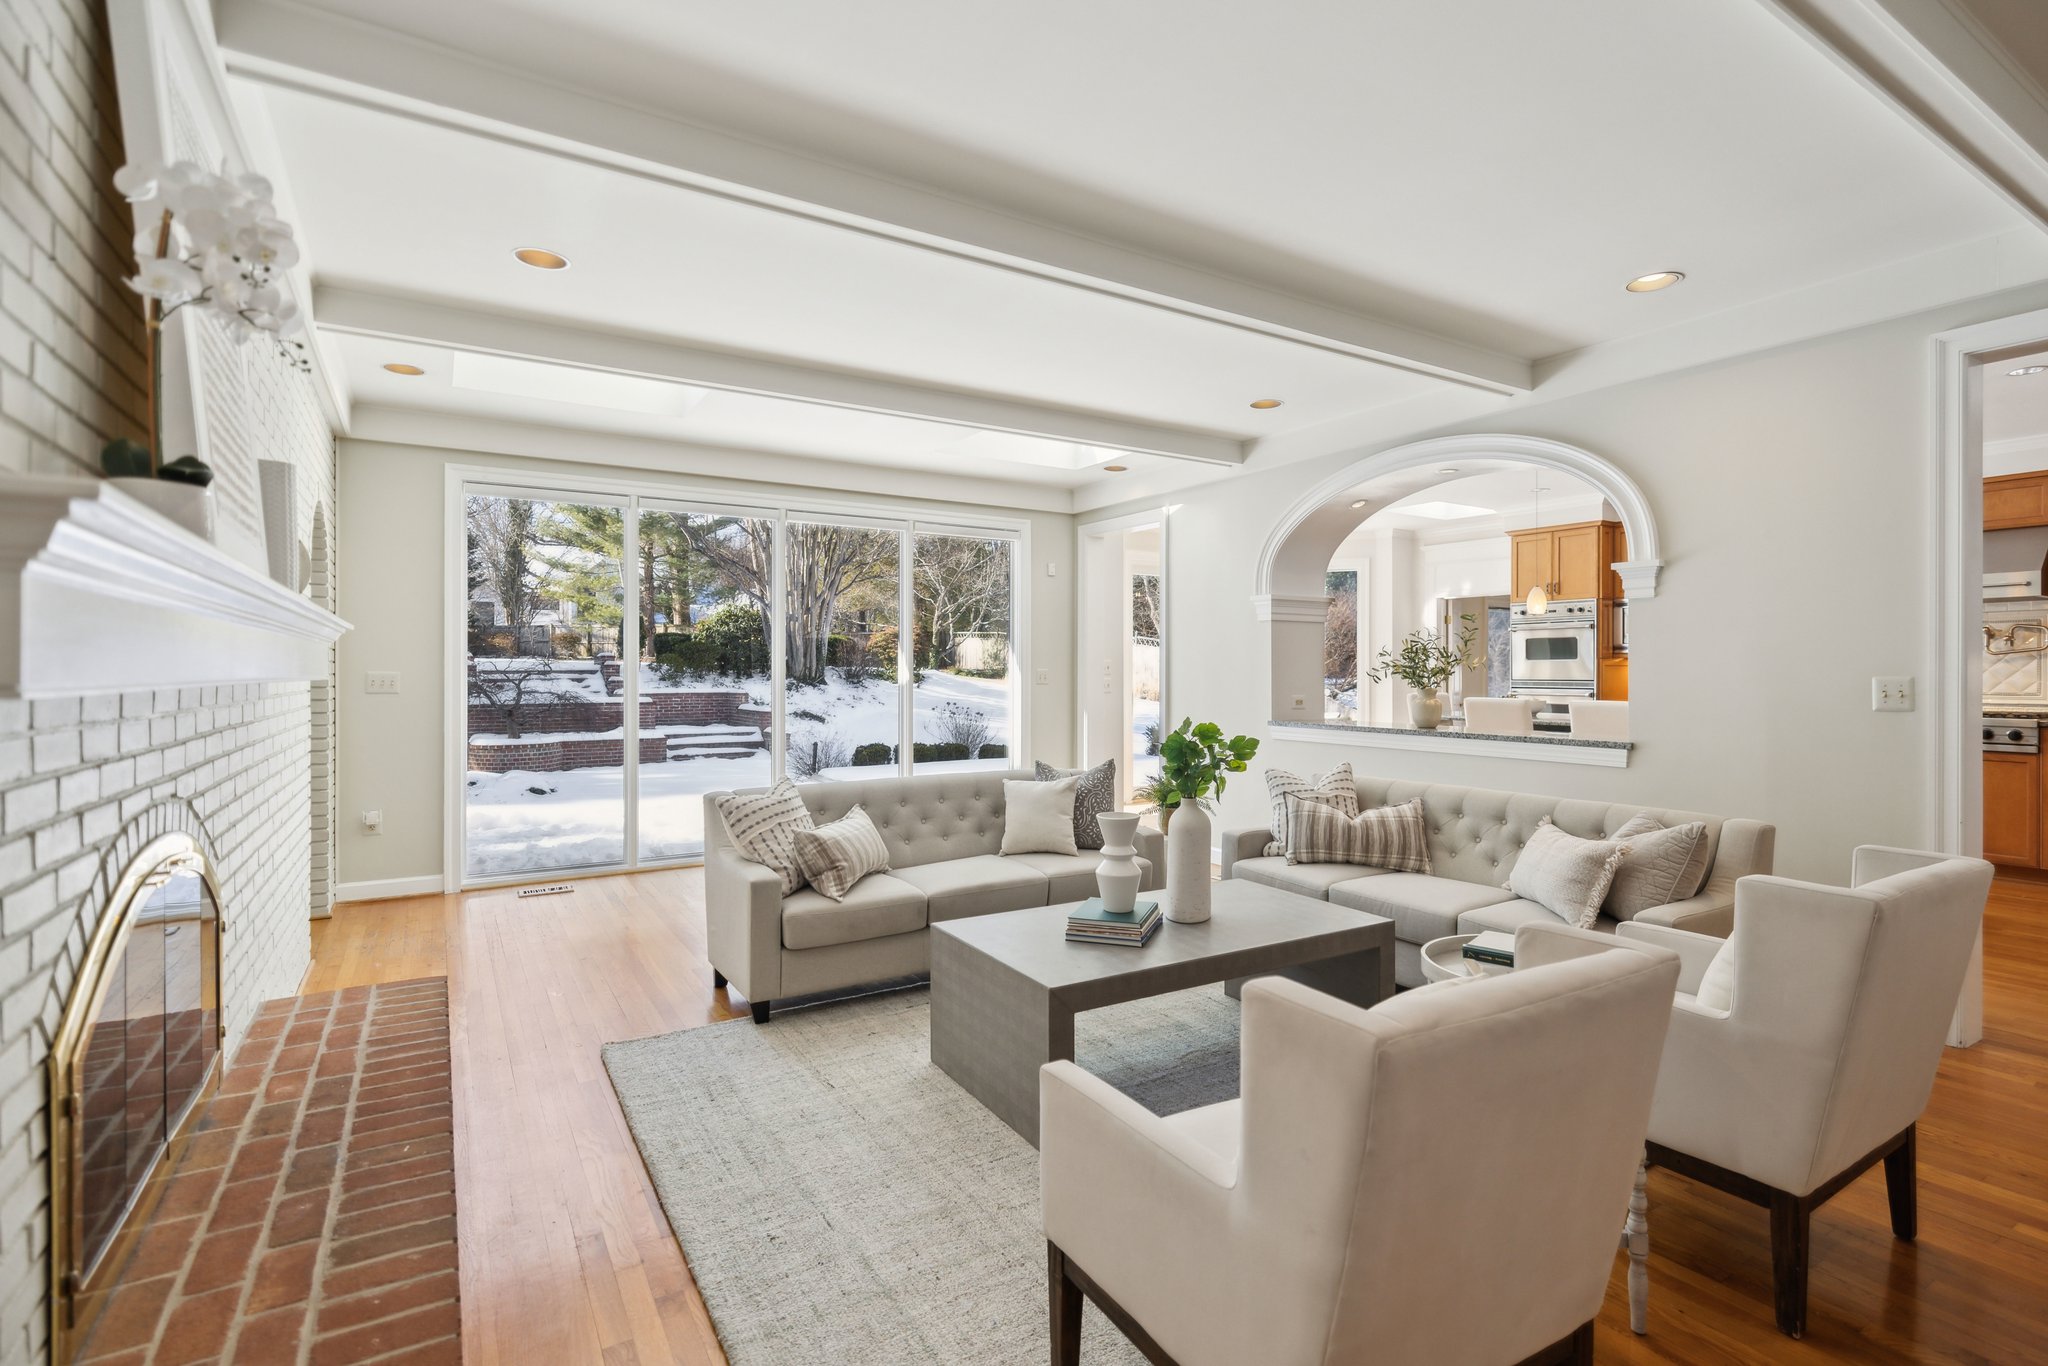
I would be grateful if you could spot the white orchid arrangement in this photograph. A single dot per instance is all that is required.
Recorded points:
(218, 245)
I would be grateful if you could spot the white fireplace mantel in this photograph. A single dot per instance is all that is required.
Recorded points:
(99, 593)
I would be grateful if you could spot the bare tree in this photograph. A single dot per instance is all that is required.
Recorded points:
(963, 586)
(1145, 606)
(514, 690)
(1340, 632)
(501, 544)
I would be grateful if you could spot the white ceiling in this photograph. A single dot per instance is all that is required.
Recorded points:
(1505, 495)
(2015, 406)
(1487, 173)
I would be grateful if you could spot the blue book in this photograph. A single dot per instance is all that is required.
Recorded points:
(1092, 911)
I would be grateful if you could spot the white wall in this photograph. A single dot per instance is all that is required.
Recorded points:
(392, 748)
(1790, 489)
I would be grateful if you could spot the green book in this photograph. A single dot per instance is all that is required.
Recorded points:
(1092, 911)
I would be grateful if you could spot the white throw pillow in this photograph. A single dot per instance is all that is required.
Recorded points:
(1566, 875)
(763, 828)
(1336, 788)
(1665, 864)
(1038, 818)
(1717, 984)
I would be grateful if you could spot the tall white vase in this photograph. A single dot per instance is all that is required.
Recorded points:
(1187, 865)
(1118, 875)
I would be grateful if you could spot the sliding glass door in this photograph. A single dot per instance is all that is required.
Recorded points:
(626, 654)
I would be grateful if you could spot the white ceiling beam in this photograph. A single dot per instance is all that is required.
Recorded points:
(341, 58)
(365, 313)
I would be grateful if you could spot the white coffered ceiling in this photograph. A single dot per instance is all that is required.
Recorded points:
(1059, 226)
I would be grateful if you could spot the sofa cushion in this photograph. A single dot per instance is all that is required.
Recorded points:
(1038, 817)
(980, 885)
(1071, 877)
(1422, 908)
(1389, 837)
(1095, 794)
(1568, 874)
(1309, 879)
(1664, 864)
(1335, 788)
(875, 907)
(839, 854)
(1510, 916)
(763, 826)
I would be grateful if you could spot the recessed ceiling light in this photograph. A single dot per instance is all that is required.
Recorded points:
(1655, 280)
(1447, 470)
(1114, 469)
(401, 368)
(540, 259)
(1263, 403)
(2028, 370)
(1359, 504)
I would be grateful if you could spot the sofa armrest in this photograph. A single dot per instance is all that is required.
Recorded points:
(1237, 844)
(743, 922)
(1151, 845)
(1695, 951)
(1711, 912)
(1745, 847)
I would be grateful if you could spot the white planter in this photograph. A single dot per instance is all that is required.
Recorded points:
(1118, 875)
(1426, 710)
(188, 505)
(1187, 865)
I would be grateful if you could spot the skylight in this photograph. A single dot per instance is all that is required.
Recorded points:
(1443, 512)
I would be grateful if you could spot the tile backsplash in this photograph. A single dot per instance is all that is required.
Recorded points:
(2020, 678)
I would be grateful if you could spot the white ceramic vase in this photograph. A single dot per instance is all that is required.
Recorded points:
(1118, 875)
(188, 505)
(1187, 865)
(1426, 709)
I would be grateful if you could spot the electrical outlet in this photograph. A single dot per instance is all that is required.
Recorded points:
(1045, 678)
(1891, 692)
(373, 822)
(380, 682)
(1299, 703)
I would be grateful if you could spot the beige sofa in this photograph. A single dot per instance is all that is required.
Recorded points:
(1474, 836)
(942, 831)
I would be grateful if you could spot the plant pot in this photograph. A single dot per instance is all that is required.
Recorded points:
(1187, 866)
(1118, 875)
(188, 505)
(1426, 709)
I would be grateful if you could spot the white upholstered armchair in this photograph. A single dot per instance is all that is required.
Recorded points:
(1438, 1179)
(1836, 1010)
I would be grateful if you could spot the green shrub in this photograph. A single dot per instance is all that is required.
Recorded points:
(869, 755)
(933, 754)
(994, 752)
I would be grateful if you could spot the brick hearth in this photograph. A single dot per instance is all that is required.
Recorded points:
(312, 1219)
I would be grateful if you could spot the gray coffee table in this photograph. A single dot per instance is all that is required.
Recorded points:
(1006, 987)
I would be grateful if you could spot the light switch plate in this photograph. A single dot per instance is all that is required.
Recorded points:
(1891, 692)
(1045, 678)
(373, 822)
(375, 681)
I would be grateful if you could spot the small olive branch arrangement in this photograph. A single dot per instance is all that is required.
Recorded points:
(1424, 661)
(218, 245)
(1195, 761)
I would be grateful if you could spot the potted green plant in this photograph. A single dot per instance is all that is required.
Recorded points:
(1158, 795)
(1195, 761)
(1426, 662)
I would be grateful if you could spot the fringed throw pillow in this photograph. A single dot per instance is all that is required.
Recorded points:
(1566, 875)
(763, 828)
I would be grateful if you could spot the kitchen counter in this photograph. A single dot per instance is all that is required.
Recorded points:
(1452, 737)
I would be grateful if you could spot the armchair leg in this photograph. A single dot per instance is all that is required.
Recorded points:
(760, 1012)
(1064, 1303)
(1791, 1229)
(1902, 1185)
(717, 980)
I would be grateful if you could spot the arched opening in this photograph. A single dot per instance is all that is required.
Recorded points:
(1447, 535)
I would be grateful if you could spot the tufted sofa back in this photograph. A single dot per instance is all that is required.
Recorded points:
(922, 820)
(1475, 834)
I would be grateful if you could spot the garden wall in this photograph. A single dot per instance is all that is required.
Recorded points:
(558, 756)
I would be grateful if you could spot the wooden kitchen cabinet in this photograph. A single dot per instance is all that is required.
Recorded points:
(1614, 554)
(1570, 561)
(1578, 572)
(2012, 809)
(2016, 500)
(1535, 562)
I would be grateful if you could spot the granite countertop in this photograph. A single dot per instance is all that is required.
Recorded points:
(1454, 731)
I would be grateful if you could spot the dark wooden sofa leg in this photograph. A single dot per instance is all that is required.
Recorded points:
(760, 1012)
(717, 980)
(1791, 1239)
(1901, 1184)
(1064, 1305)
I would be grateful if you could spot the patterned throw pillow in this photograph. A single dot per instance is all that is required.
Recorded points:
(1390, 837)
(1664, 864)
(1093, 795)
(835, 856)
(763, 827)
(1336, 788)
(1564, 874)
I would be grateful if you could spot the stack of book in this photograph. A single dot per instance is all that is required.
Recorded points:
(1493, 949)
(1090, 923)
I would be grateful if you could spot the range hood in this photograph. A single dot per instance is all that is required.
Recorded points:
(2016, 563)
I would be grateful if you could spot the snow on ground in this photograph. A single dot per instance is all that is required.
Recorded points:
(578, 817)
(1144, 720)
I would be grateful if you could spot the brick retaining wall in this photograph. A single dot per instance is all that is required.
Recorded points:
(556, 756)
(708, 707)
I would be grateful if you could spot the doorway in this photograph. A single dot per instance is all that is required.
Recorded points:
(1123, 710)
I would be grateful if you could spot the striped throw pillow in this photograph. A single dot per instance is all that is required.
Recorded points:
(835, 856)
(1336, 788)
(1390, 837)
(763, 828)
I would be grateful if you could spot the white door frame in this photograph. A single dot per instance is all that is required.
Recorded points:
(1083, 584)
(1956, 609)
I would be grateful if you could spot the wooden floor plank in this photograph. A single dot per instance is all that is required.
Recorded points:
(567, 1259)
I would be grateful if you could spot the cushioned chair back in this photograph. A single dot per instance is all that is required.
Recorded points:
(922, 819)
(1918, 943)
(1475, 834)
(1500, 716)
(1499, 1128)
(1598, 720)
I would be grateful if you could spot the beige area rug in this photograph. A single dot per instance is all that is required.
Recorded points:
(841, 1200)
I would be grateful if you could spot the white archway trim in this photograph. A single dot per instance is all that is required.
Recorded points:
(1285, 607)
(1638, 573)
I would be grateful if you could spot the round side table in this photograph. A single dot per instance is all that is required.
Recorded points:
(1443, 959)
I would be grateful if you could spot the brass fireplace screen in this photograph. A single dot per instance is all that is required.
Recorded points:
(138, 1049)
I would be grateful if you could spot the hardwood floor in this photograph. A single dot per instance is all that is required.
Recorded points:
(566, 1257)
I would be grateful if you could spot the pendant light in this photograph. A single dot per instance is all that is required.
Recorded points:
(1539, 601)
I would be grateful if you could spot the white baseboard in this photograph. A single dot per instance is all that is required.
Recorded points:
(384, 888)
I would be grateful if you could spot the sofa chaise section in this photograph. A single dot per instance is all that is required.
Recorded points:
(943, 833)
